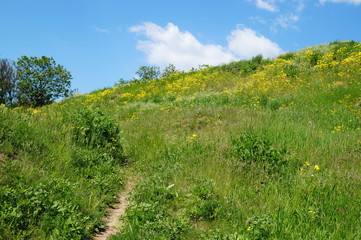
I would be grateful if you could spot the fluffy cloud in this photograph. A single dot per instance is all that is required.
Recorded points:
(287, 21)
(246, 43)
(356, 2)
(287, 13)
(170, 45)
(266, 5)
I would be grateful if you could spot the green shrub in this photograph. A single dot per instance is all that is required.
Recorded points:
(252, 148)
(94, 130)
(287, 56)
(206, 206)
(204, 189)
(260, 228)
(291, 70)
(247, 67)
(50, 205)
(343, 49)
(206, 209)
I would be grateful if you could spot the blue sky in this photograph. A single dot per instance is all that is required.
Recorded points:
(101, 41)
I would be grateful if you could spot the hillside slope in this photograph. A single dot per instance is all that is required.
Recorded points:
(257, 149)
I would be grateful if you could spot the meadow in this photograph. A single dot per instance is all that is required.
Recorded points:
(255, 149)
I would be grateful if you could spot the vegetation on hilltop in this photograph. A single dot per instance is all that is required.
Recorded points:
(32, 81)
(257, 149)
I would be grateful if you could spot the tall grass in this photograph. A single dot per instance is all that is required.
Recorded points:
(260, 149)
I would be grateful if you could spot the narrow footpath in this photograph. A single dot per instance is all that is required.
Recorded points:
(115, 212)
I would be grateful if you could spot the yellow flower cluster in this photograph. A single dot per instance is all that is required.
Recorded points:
(33, 110)
(308, 168)
(271, 79)
(192, 138)
(278, 78)
(312, 214)
(192, 83)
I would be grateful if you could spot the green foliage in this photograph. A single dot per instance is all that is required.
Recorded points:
(205, 206)
(148, 215)
(246, 67)
(41, 81)
(206, 210)
(7, 82)
(197, 178)
(250, 147)
(169, 70)
(287, 56)
(292, 70)
(25, 207)
(50, 187)
(260, 227)
(19, 133)
(204, 190)
(344, 49)
(122, 82)
(146, 73)
(94, 130)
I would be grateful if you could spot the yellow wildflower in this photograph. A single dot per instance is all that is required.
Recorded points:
(194, 136)
(316, 167)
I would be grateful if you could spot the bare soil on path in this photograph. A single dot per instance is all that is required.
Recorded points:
(117, 210)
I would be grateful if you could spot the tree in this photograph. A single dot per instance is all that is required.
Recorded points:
(41, 81)
(169, 70)
(7, 82)
(146, 73)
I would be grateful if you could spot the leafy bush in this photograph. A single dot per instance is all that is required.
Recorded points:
(287, 56)
(206, 209)
(94, 130)
(50, 205)
(247, 67)
(206, 205)
(260, 227)
(344, 49)
(291, 70)
(251, 148)
(204, 189)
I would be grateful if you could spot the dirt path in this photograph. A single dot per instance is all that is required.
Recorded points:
(118, 209)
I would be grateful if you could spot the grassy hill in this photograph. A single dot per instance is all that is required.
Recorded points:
(256, 149)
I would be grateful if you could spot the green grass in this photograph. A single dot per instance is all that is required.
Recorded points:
(251, 150)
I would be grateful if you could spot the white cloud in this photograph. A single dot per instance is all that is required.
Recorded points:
(246, 43)
(266, 5)
(356, 2)
(101, 30)
(287, 13)
(170, 45)
(287, 21)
